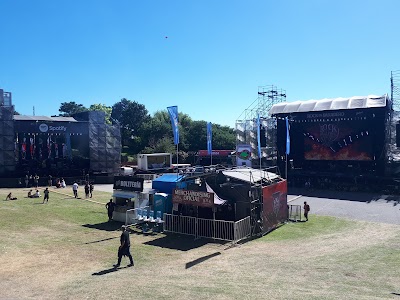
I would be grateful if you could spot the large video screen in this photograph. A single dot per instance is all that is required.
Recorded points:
(342, 140)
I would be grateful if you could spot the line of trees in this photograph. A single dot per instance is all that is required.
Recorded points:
(143, 133)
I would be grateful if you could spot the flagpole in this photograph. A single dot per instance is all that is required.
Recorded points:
(286, 168)
(177, 160)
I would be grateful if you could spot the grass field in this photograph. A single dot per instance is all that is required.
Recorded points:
(65, 250)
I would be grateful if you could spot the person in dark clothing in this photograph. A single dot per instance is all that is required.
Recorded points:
(87, 189)
(91, 188)
(124, 248)
(46, 195)
(306, 208)
(110, 209)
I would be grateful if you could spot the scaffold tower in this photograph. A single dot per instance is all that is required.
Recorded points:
(395, 89)
(246, 124)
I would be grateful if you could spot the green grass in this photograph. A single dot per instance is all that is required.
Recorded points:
(324, 258)
(317, 225)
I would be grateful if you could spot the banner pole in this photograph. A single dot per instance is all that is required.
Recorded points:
(286, 168)
(177, 160)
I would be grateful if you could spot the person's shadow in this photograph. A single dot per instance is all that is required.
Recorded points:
(110, 270)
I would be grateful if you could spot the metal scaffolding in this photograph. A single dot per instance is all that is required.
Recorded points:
(246, 124)
(395, 89)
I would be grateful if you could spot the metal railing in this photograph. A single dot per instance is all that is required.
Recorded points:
(208, 228)
(294, 213)
(242, 229)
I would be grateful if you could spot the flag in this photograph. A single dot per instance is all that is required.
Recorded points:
(173, 113)
(209, 138)
(287, 137)
(258, 135)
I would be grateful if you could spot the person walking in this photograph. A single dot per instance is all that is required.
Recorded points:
(110, 209)
(50, 181)
(124, 248)
(91, 188)
(306, 208)
(75, 189)
(46, 195)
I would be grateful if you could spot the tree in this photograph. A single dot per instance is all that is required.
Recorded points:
(223, 137)
(131, 116)
(67, 109)
(102, 107)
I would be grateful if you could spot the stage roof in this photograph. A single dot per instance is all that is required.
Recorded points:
(329, 104)
(250, 174)
(44, 118)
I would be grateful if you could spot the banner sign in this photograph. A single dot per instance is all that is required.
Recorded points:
(173, 114)
(243, 155)
(196, 198)
(51, 127)
(275, 209)
(209, 138)
(224, 153)
(128, 183)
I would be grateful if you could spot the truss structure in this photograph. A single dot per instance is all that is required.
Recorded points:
(246, 124)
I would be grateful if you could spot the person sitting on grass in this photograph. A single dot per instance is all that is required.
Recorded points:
(36, 195)
(30, 194)
(10, 197)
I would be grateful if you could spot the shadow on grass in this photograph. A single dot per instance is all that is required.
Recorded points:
(396, 294)
(177, 242)
(107, 226)
(110, 270)
(201, 259)
(103, 240)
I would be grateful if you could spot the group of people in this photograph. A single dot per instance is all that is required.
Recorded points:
(31, 181)
(60, 183)
(89, 187)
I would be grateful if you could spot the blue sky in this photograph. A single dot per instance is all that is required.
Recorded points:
(207, 57)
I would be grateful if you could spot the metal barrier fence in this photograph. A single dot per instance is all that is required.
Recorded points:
(294, 213)
(208, 228)
(242, 229)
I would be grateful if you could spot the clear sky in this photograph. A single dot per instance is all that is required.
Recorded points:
(207, 57)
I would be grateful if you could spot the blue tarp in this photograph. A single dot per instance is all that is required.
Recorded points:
(167, 183)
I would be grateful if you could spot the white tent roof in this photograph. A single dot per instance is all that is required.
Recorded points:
(329, 104)
(250, 174)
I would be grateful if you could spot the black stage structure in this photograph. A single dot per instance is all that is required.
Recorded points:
(343, 142)
(81, 145)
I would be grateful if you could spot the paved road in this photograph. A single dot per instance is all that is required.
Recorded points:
(357, 206)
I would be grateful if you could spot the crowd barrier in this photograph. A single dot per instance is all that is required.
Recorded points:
(295, 213)
(208, 228)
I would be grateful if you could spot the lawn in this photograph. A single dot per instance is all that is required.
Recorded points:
(65, 250)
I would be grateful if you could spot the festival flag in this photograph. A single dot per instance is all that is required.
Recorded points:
(209, 138)
(258, 135)
(287, 137)
(173, 113)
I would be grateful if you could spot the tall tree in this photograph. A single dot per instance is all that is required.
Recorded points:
(67, 109)
(130, 115)
(102, 107)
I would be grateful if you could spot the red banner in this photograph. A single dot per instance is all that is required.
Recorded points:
(196, 198)
(215, 152)
(274, 205)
